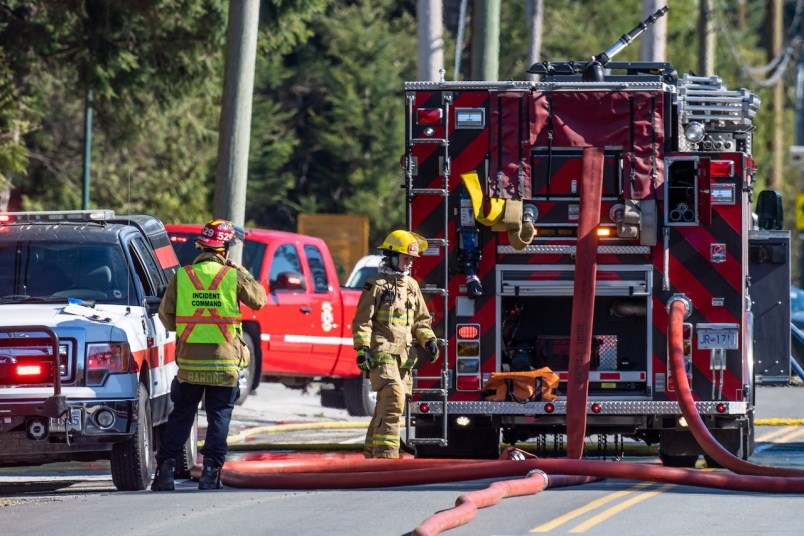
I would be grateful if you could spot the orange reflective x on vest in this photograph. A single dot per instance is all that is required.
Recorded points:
(207, 309)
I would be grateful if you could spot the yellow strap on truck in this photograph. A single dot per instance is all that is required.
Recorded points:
(497, 209)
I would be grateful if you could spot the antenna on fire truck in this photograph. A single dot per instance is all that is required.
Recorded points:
(593, 72)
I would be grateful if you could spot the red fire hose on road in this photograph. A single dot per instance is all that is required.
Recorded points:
(677, 312)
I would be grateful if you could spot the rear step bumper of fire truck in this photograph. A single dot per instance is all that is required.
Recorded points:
(26, 433)
(601, 408)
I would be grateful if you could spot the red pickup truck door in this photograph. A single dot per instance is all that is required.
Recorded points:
(327, 335)
(287, 313)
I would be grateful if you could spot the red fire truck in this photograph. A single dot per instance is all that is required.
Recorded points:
(575, 209)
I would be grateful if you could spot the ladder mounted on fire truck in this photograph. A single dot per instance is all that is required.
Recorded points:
(434, 244)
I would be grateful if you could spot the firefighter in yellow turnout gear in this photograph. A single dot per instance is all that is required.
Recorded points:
(390, 313)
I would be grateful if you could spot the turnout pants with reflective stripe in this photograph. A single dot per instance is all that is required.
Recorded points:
(391, 384)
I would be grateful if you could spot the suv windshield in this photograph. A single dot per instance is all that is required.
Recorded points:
(50, 271)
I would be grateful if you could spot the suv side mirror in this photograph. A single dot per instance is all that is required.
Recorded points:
(151, 304)
(769, 210)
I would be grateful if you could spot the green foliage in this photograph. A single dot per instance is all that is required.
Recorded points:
(328, 108)
(341, 151)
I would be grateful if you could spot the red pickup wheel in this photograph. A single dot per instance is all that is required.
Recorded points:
(358, 396)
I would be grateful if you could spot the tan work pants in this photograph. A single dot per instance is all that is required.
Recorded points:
(391, 384)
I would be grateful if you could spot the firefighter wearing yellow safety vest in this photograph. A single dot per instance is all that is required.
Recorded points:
(390, 314)
(201, 304)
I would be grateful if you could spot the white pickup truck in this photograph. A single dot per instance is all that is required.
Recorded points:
(79, 293)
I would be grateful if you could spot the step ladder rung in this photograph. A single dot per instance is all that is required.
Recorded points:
(429, 141)
(434, 290)
(429, 191)
(427, 441)
(429, 391)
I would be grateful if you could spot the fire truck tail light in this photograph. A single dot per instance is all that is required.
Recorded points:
(603, 231)
(687, 331)
(721, 168)
(721, 408)
(468, 331)
(468, 348)
(424, 407)
(549, 408)
(29, 370)
(5, 218)
(105, 359)
(596, 408)
(467, 366)
(429, 116)
(468, 383)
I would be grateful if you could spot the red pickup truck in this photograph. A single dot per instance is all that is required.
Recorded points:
(305, 329)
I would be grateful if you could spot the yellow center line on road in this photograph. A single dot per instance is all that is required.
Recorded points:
(789, 435)
(616, 509)
(772, 435)
(569, 516)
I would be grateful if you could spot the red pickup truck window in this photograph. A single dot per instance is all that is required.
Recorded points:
(317, 268)
(286, 259)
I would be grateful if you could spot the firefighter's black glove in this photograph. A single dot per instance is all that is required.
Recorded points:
(432, 347)
(364, 361)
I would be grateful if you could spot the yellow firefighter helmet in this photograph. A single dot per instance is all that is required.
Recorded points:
(405, 242)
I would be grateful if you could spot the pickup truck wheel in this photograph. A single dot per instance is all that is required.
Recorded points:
(189, 454)
(358, 396)
(247, 374)
(133, 460)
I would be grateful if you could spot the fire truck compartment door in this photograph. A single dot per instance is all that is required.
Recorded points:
(610, 281)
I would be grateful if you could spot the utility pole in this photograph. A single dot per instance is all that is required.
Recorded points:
(87, 149)
(797, 160)
(430, 25)
(653, 44)
(776, 38)
(485, 40)
(235, 124)
(706, 36)
(534, 12)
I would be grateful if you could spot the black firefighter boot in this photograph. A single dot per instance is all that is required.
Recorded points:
(210, 476)
(163, 479)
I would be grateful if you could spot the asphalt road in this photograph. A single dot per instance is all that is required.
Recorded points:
(67, 499)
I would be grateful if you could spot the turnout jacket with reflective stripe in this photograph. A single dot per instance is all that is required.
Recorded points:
(390, 313)
(211, 363)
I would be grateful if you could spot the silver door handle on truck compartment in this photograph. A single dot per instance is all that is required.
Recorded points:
(306, 309)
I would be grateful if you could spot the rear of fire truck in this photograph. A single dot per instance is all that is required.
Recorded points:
(563, 217)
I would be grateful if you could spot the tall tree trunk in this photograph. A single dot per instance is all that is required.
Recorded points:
(534, 11)
(653, 43)
(485, 40)
(706, 36)
(776, 38)
(430, 23)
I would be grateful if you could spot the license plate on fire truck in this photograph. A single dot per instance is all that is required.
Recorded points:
(717, 336)
(74, 422)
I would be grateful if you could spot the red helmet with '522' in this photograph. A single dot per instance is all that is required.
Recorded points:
(218, 234)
